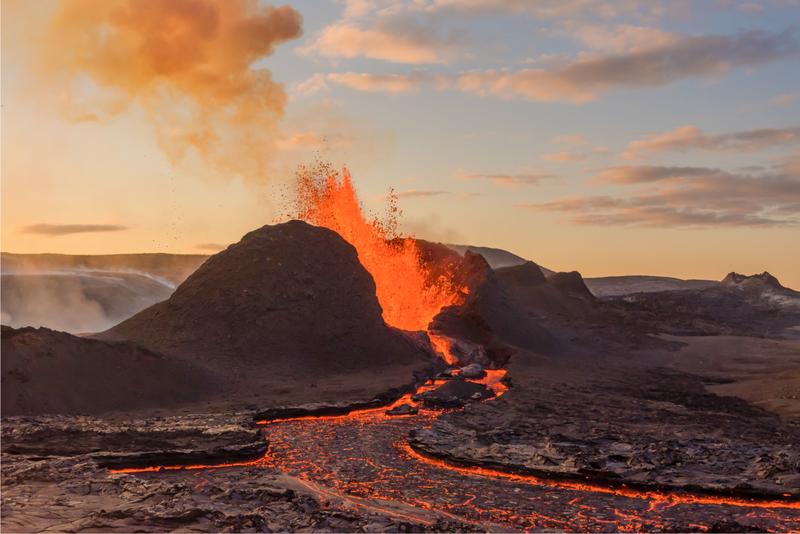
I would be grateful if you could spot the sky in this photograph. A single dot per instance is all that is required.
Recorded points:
(611, 138)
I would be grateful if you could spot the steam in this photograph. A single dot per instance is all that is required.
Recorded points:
(77, 300)
(188, 64)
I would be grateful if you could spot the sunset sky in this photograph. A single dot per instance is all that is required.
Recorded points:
(611, 138)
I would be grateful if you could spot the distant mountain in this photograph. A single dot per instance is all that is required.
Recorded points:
(612, 286)
(497, 258)
(762, 288)
(756, 305)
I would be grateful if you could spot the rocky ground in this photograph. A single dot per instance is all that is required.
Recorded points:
(644, 426)
(316, 469)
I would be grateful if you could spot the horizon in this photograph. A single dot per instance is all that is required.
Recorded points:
(556, 139)
(209, 254)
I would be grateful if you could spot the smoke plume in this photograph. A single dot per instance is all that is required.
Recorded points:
(190, 65)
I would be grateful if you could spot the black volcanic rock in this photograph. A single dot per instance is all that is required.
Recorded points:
(288, 301)
(489, 317)
(755, 282)
(528, 275)
(403, 409)
(454, 393)
(571, 284)
(562, 294)
(45, 371)
(620, 423)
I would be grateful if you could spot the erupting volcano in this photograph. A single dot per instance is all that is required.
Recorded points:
(408, 292)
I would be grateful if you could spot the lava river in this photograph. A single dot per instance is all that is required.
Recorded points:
(363, 460)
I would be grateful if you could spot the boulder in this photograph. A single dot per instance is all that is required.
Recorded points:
(454, 394)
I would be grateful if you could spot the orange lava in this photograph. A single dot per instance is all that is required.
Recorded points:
(656, 498)
(373, 415)
(158, 468)
(409, 296)
(443, 345)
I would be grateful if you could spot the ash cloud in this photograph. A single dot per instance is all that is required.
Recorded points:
(188, 64)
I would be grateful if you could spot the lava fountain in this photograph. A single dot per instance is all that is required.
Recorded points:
(407, 291)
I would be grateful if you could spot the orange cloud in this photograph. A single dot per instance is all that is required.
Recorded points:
(585, 78)
(564, 156)
(396, 44)
(69, 229)
(508, 180)
(387, 83)
(187, 63)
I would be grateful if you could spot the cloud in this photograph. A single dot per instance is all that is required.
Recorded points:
(211, 247)
(785, 99)
(691, 137)
(585, 78)
(417, 193)
(647, 173)
(552, 9)
(564, 156)
(621, 39)
(397, 41)
(189, 64)
(573, 139)
(693, 197)
(68, 229)
(508, 180)
(387, 83)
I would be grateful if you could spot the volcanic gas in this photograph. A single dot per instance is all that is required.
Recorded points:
(409, 293)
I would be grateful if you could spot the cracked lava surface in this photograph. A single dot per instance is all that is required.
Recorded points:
(363, 460)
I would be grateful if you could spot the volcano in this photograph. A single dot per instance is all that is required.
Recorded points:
(289, 301)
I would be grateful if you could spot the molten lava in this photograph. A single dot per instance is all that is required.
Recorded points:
(407, 291)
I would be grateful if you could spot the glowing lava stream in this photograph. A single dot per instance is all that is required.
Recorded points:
(369, 416)
(655, 497)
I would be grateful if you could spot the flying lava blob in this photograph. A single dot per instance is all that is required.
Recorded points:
(407, 291)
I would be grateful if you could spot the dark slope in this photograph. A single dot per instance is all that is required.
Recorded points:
(287, 301)
(44, 371)
(561, 294)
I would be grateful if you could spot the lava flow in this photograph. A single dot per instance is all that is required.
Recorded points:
(407, 291)
(363, 459)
